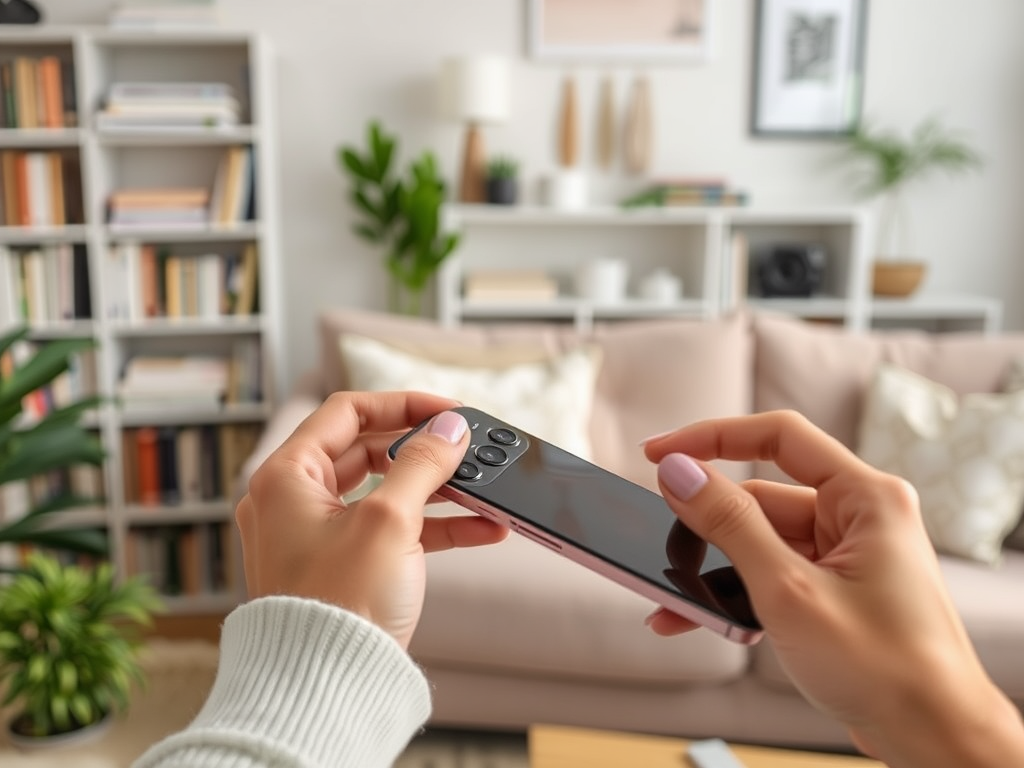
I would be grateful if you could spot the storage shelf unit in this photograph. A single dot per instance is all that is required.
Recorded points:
(162, 157)
(711, 250)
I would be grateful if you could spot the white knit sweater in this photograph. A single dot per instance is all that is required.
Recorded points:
(302, 683)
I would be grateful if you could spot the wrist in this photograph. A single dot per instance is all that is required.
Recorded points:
(954, 729)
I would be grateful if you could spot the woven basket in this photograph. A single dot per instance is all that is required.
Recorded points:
(897, 278)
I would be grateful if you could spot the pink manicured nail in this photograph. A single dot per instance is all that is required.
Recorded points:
(681, 475)
(449, 425)
(646, 440)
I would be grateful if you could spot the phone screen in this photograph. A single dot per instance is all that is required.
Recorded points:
(615, 521)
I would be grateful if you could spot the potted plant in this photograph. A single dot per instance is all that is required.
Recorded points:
(400, 213)
(502, 180)
(889, 163)
(54, 442)
(68, 648)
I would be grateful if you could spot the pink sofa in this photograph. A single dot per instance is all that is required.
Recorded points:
(513, 634)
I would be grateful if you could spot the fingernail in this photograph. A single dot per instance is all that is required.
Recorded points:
(449, 425)
(650, 619)
(681, 475)
(646, 440)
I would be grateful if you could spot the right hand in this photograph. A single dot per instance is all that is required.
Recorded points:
(845, 582)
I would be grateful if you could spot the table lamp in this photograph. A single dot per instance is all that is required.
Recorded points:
(474, 90)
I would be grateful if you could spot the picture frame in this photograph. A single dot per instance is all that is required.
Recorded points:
(617, 31)
(808, 67)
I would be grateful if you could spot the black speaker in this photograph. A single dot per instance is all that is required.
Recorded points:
(19, 12)
(790, 270)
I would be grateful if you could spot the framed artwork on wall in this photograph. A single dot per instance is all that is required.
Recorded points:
(620, 30)
(808, 74)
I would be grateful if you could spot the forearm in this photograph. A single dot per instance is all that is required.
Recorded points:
(306, 684)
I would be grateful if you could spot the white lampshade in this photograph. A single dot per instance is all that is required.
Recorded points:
(475, 88)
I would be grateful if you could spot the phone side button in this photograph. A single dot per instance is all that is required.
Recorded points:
(539, 538)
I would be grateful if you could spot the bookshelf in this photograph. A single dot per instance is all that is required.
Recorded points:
(709, 250)
(160, 287)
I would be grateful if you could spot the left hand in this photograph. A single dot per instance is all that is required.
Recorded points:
(299, 538)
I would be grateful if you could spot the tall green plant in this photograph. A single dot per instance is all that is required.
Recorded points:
(68, 643)
(56, 441)
(400, 213)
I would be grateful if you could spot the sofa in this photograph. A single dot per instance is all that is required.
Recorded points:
(513, 634)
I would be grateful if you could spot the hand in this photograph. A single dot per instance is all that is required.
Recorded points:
(844, 580)
(299, 538)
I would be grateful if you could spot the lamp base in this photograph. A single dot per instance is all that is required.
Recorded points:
(472, 188)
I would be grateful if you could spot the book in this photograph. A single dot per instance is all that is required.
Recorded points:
(148, 465)
(189, 458)
(167, 451)
(248, 283)
(510, 285)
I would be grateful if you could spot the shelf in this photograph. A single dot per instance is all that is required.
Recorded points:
(927, 307)
(30, 138)
(86, 517)
(822, 307)
(457, 215)
(249, 230)
(171, 415)
(66, 329)
(73, 233)
(162, 137)
(186, 513)
(190, 326)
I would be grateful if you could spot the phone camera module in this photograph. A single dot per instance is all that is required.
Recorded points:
(503, 436)
(492, 455)
(468, 471)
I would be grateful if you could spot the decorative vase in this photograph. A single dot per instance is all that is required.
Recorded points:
(502, 190)
(897, 279)
(77, 737)
(896, 272)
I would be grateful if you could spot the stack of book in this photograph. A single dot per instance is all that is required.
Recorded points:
(37, 92)
(510, 285)
(156, 383)
(160, 207)
(687, 192)
(154, 14)
(151, 105)
(183, 560)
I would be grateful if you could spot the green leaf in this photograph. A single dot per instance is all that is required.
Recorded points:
(50, 360)
(355, 165)
(8, 339)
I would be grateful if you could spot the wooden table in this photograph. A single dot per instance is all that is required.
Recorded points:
(561, 747)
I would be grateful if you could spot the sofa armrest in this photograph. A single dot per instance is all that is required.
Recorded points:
(305, 399)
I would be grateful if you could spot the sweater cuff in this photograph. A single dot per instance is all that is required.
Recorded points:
(312, 683)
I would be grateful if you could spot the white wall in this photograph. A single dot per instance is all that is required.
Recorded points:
(342, 62)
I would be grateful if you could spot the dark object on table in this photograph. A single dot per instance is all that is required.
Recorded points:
(790, 270)
(19, 12)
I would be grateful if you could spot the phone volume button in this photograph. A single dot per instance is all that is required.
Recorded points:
(539, 538)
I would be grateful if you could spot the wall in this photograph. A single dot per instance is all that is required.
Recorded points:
(342, 62)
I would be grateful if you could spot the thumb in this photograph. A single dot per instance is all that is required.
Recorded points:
(425, 462)
(726, 515)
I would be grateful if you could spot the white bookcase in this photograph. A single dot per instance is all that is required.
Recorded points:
(153, 157)
(709, 249)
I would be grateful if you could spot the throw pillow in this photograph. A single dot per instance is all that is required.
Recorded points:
(550, 399)
(964, 455)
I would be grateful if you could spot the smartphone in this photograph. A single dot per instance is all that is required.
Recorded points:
(598, 519)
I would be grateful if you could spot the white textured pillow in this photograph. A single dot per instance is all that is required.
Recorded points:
(965, 457)
(550, 399)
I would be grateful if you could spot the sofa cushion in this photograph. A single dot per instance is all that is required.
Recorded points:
(987, 600)
(655, 375)
(823, 371)
(965, 456)
(550, 399)
(517, 607)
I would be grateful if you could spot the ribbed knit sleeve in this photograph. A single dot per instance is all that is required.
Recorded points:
(302, 683)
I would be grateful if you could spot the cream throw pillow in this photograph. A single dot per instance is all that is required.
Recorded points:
(550, 399)
(965, 457)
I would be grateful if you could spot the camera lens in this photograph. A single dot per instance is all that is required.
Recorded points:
(491, 454)
(467, 471)
(503, 436)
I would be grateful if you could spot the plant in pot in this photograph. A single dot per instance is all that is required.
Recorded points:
(69, 645)
(502, 180)
(889, 163)
(399, 212)
(55, 442)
